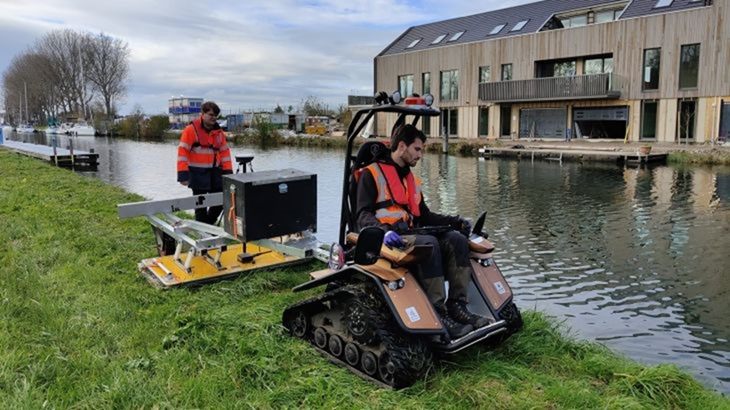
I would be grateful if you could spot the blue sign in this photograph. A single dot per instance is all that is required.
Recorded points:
(1, 135)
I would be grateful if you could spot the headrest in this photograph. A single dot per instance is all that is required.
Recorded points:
(370, 152)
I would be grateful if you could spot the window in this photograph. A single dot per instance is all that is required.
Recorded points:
(438, 39)
(413, 44)
(652, 59)
(405, 85)
(598, 66)
(497, 29)
(689, 66)
(426, 125)
(483, 121)
(519, 26)
(564, 69)
(457, 36)
(484, 74)
(687, 114)
(453, 121)
(663, 3)
(648, 120)
(450, 85)
(506, 72)
(607, 15)
(426, 83)
(575, 21)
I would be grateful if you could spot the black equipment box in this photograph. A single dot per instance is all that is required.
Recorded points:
(268, 204)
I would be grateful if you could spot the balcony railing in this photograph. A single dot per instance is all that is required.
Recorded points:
(591, 86)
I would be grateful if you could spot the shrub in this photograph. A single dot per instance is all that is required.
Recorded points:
(155, 127)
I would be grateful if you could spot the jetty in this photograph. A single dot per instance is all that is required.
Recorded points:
(619, 155)
(62, 157)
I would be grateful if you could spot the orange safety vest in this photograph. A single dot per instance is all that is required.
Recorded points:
(200, 153)
(398, 200)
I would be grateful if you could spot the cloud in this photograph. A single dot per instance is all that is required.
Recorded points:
(250, 54)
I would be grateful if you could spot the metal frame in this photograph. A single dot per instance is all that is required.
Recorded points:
(198, 239)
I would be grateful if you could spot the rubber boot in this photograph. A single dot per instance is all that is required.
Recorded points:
(459, 312)
(456, 330)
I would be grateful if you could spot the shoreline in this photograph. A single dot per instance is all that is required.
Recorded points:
(677, 154)
(84, 328)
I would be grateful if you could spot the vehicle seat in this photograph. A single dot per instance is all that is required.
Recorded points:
(368, 153)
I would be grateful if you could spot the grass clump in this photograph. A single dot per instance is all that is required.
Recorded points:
(706, 157)
(82, 329)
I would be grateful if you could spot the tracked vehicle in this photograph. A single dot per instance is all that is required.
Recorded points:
(373, 317)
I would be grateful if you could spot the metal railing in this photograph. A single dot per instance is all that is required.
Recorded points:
(552, 88)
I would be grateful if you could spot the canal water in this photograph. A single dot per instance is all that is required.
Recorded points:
(634, 258)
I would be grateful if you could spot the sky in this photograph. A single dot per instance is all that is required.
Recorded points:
(251, 54)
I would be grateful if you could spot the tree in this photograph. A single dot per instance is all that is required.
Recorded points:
(278, 109)
(289, 109)
(64, 49)
(108, 61)
(312, 106)
(65, 72)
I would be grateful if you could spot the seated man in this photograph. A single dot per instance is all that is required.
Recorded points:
(389, 196)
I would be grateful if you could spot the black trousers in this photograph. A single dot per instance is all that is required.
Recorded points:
(449, 261)
(207, 215)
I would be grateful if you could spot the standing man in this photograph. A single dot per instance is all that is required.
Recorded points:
(203, 157)
(389, 197)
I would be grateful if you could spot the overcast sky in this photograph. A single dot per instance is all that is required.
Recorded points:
(241, 54)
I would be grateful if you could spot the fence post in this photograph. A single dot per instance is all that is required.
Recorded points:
(55, 154)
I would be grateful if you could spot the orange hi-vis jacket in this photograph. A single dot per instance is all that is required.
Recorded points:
(398, 200)
(203, 157)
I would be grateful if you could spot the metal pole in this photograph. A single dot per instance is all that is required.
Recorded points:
(71, 148)
(55, 155)
(26, 102)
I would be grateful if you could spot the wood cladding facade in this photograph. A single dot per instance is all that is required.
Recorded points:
(625, 40)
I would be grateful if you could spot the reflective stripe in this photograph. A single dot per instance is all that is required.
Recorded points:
(185, 159)
(381, 183)
(200, 165)
(184, 145)
(224, 159)
(396, 215)
(204, 151)
(223, 147)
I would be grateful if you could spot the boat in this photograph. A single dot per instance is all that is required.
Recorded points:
(25, 129)
(81, 129)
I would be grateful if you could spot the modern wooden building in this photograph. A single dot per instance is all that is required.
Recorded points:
(646, 70)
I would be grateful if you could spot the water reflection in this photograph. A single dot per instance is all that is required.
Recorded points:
(635, 258)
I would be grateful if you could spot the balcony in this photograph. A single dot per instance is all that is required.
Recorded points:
(579, 87)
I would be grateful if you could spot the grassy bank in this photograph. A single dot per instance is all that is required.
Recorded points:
(82, 329)
(704, 157)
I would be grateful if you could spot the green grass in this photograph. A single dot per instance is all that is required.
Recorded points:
(716, 156)
(82, 329)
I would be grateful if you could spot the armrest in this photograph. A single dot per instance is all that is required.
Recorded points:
(410, 255)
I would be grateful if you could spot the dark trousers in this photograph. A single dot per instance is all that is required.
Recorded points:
(207, 215)
(449, 261)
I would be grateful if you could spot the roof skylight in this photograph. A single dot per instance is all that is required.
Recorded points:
(497, 29)
(438, 39)
(413, 44)
(663, 3)
(457, 35)
(519, 26)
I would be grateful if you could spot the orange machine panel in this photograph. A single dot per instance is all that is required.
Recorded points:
(413, 306)
(495, 286)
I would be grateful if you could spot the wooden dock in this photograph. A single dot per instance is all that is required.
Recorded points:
(572, 154)
(62, 157)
